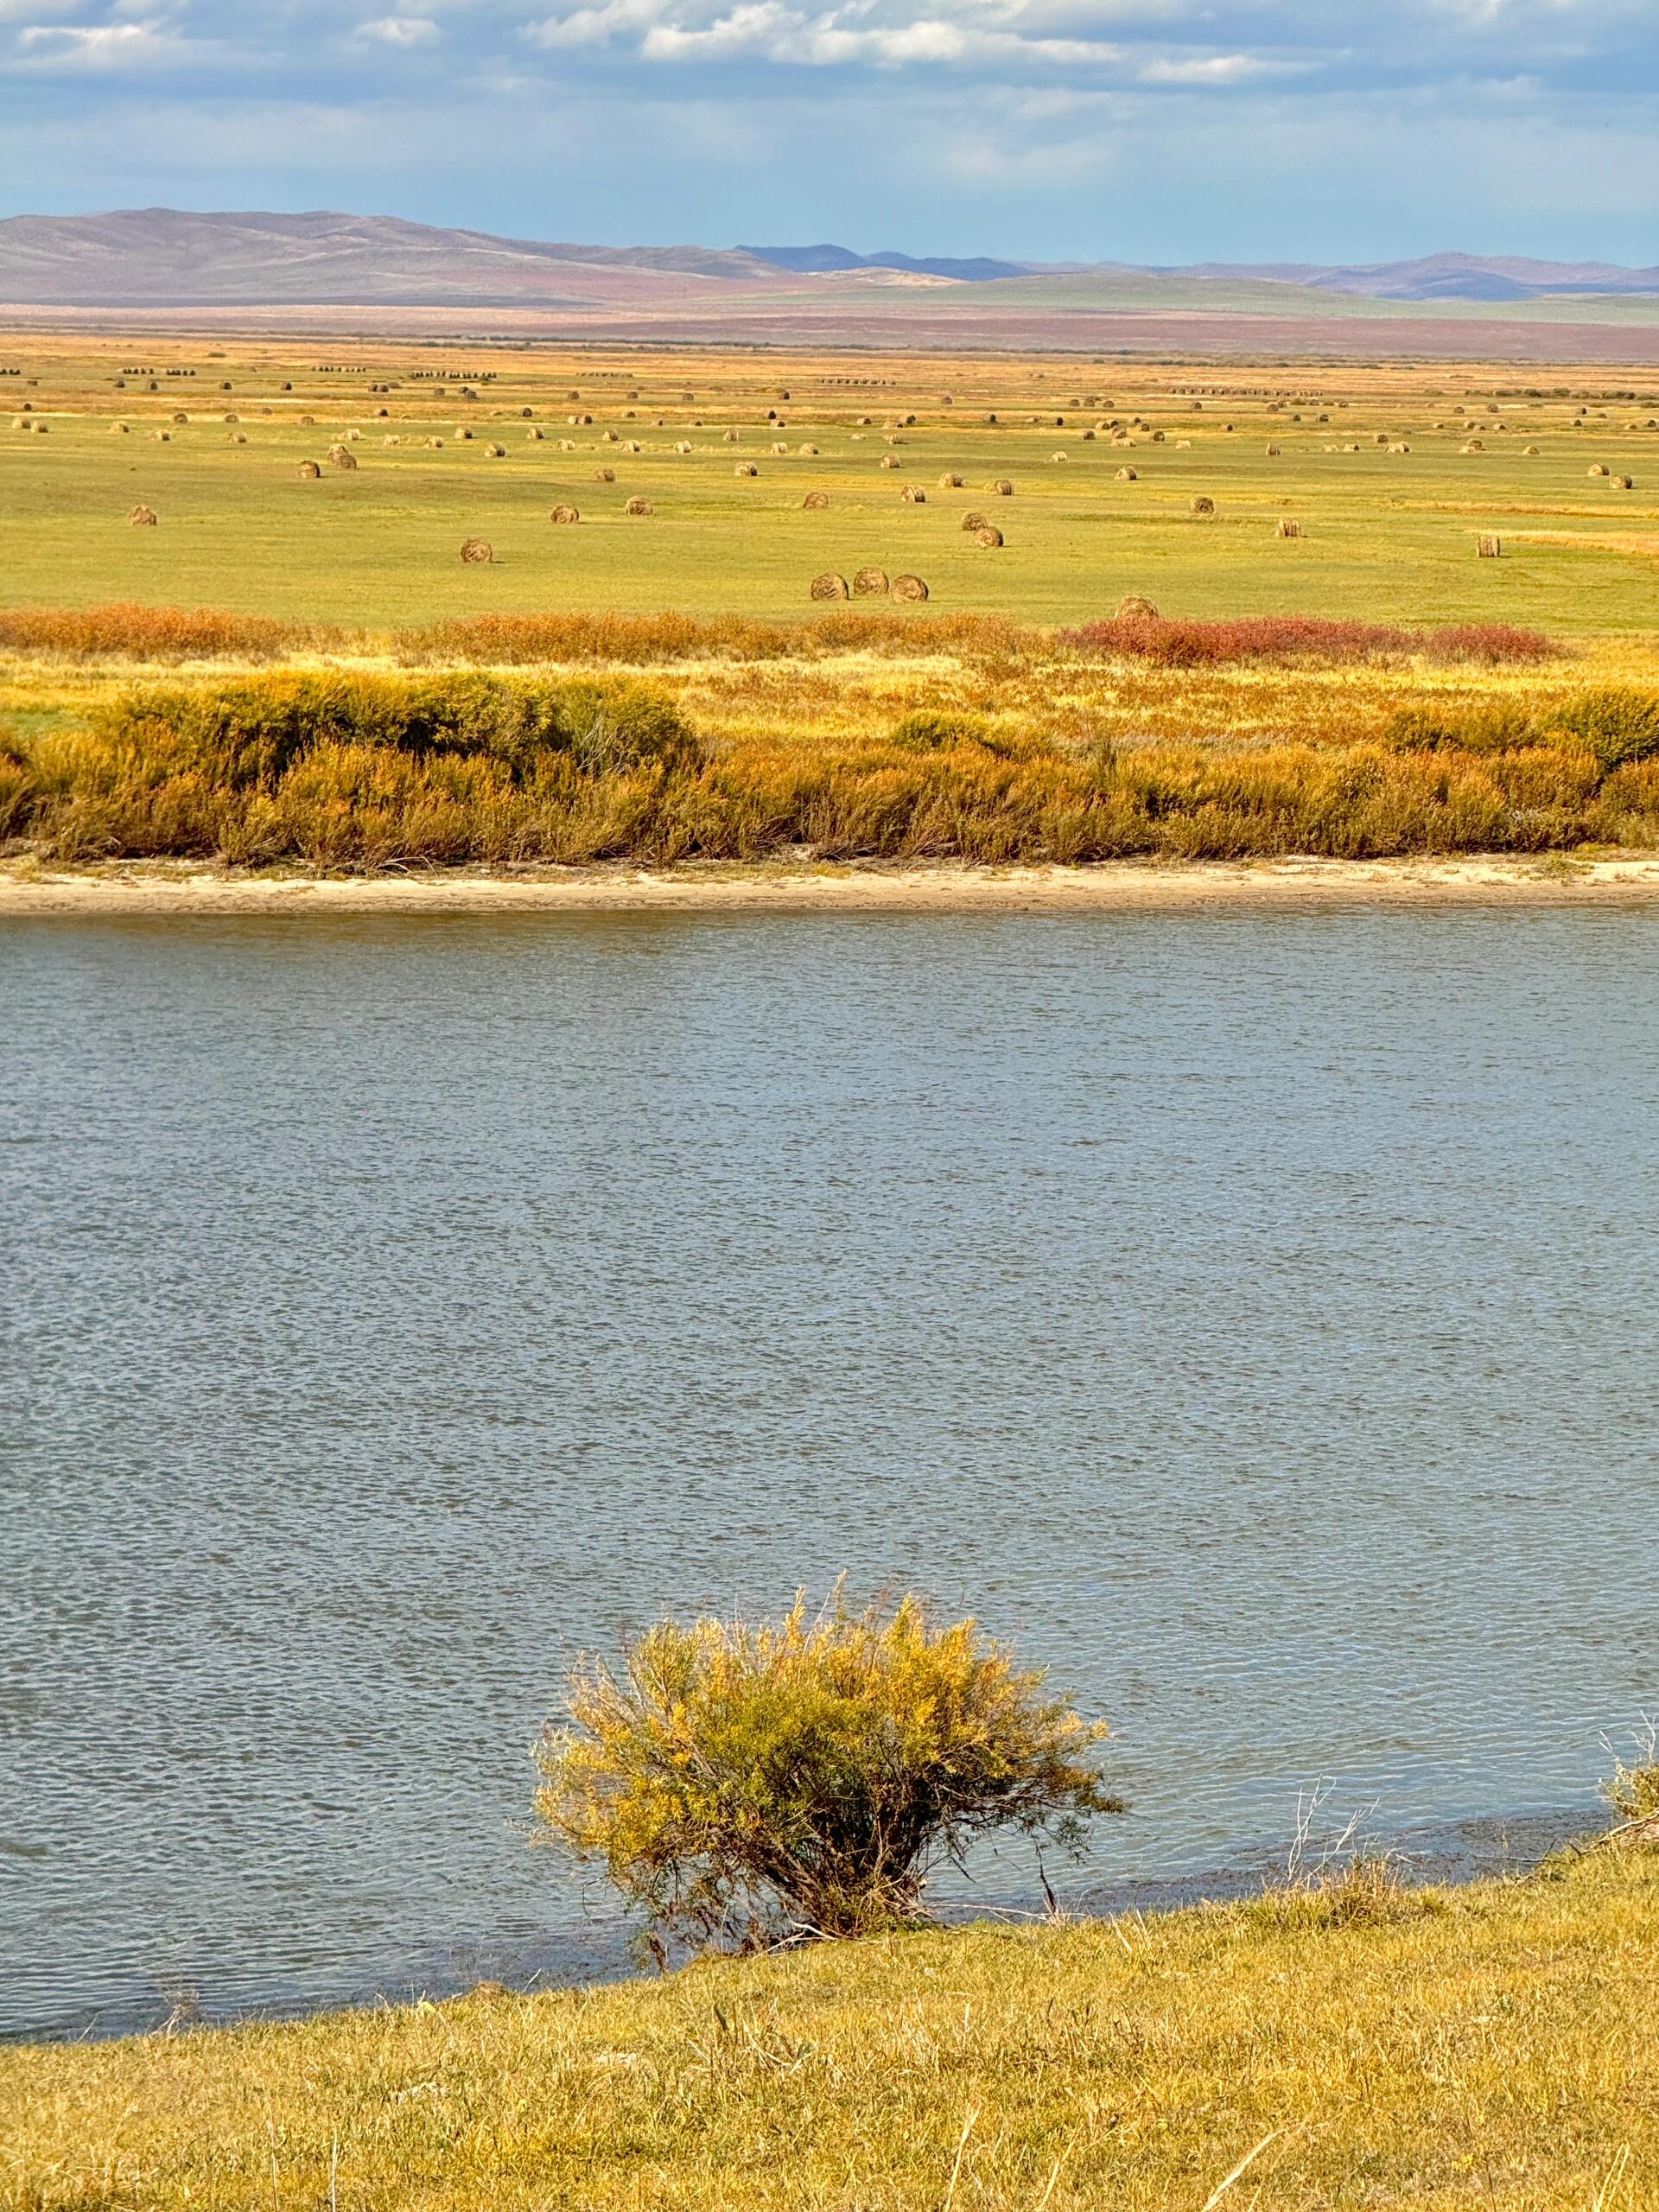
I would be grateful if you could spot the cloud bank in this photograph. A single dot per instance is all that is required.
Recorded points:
(1141, 130)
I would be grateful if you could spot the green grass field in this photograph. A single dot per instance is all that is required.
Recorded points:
(1386, 535)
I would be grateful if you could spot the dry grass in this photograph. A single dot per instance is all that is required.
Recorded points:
(1494, 2048)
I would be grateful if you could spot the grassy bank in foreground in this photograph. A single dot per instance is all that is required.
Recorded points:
(1493, 2047)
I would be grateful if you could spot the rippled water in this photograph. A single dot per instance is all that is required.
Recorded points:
(1254, 1314)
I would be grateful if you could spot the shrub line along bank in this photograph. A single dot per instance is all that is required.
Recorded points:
(353, 771)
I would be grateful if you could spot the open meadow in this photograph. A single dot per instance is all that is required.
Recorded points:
(990, 608)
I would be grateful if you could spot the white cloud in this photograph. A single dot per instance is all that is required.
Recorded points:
(69, 47)
(401, 30)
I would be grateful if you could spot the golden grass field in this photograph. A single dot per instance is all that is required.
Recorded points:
(1388, 535)
(1489, 2050)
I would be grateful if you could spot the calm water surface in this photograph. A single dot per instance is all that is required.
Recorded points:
(1253, 1314)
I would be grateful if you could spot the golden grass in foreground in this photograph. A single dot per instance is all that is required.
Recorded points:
(1496, 2047)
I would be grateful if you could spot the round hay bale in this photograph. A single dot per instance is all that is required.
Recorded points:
(811, 452)
(604, 476)
(1057, 456)
(682, 445)
(815, 500)
(353, 436)
(117, 429)
(1624, 483)
(1003, 488)
(393, 440)
(463, 432)
(565, 512)
(631, 445)
(1400, 445)
(1273, 453)
(829, 586)
(310, 470)
(232, 418)
(1531, 450)
(638, 506)
(1290, 527)
(730, 438)
(889, 461)
(535, 434)
(236, 438)
(950, 482)
(579, 419)
(973, 520)
(181, 418)
(914, 496)
(163, 437)
(779, 447)
(870, 583)
(1489, 547)
(607, 437)
(1379, 437)
(341, 457)
(142, 518)
(988, 535)
(1203, 505)
(746, 468)
(910, 587)
(436, 444)
(476, 550)
(307, 422)
(1599, 468)
(566, 445)
(1475, 445)
(1128, 476)
(496, 453)
(1133, 608)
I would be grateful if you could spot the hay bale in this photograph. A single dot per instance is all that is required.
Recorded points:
(988, 534)
(816, 500)
(1400, 445)
(779, 446)
(631, 445)
(829, 586)
(565, 512)
(1057, 456)
(117, 429)
(535, 434)
(142, 518)
(163, 437)
(1531, 450)
(1489, 546)
(638, 506)
(683, 446)
(746, 468)
(1134, 608)
(341, 457)
(474, 550)
(1203, 505)
(307, 422)
(436, 444)
(310, 470)
(950, 482)
(1128, 476)
(607, 437)
(730, 438)
(604, 476)
(1379, 437)
(566, 445)
(1003, 488)
(810, 451)
(973, 520)
(495, 453)
(1290, 527)
(394, 440)
(914, 496)
(463, 432)
(236, 438)
(181, 418)
(1599, 468)
(232, 418)
(1475, 445)
(910, 588)
(353, 436)
(1273, 453)
(889, 461)
(1624, 483)
(870, 583)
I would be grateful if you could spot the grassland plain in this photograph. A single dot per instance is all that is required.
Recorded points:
(1495, 2046)
(1388, 535)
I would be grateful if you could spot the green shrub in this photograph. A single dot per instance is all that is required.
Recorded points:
(740, 1782)
(247, 735)
(1618, 725)
(1451, 726)
(928, 732)
(1633, 1793)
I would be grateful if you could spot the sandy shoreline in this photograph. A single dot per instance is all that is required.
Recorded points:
(158, 889)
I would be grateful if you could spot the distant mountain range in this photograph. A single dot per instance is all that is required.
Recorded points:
(159, 256)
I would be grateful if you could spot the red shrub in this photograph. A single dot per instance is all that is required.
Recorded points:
(123, 629)
(1176, 642)
(1491, 643)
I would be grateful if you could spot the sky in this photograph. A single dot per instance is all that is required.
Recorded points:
(1141, 131)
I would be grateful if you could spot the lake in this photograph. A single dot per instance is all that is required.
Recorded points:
(1252, 1313)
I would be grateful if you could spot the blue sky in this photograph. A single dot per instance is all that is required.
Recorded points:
(1134, 130)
